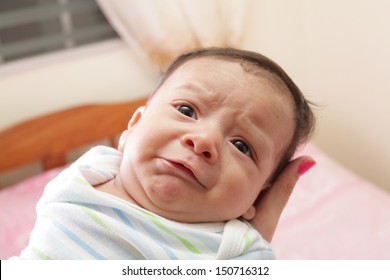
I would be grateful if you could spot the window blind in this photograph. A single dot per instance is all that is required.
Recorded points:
(31, 27)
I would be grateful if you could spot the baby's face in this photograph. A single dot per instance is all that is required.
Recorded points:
(207, 142)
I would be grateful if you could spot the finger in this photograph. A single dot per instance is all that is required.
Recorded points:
(272, 202)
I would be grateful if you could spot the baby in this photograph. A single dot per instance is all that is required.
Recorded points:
(220, 127)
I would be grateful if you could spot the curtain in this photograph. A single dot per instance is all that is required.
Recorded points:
(156, 31)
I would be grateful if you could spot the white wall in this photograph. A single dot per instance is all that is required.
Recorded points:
(339, 54)
(104, 72)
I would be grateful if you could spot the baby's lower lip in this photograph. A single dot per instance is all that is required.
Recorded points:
(180, 170)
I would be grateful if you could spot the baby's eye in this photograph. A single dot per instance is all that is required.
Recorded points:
(242, 147)
(187, 110)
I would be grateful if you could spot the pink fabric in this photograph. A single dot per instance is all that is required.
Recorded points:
(17, 215)
(332, 214)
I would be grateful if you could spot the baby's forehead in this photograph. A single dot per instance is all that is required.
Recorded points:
(200, 68)
(246, 86)
(260, 72)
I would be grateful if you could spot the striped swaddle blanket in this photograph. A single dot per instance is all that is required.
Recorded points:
(76, 221)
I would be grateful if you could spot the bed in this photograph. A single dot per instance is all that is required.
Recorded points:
(332, 214)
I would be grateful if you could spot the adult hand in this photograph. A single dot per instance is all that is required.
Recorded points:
(272, 201)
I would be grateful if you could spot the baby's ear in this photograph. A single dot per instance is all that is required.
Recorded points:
(136, 116)
(122, 140)
(134, 119)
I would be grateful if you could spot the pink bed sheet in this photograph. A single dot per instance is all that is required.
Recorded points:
(332, 214)
(17, 215)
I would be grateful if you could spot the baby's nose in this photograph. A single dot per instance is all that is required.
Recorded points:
(202, 144)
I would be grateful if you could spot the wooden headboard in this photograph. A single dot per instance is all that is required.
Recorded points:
(48, 138)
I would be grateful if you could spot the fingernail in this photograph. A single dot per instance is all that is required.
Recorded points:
(305, 166)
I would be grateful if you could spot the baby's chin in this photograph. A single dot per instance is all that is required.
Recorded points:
(186, 216)
(168, 201)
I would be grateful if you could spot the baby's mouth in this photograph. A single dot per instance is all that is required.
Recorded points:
(187, 171)
(183, 168)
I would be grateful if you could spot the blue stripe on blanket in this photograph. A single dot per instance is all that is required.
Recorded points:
(78, 241)
(123, 217)
(149, 228)
(158, 235)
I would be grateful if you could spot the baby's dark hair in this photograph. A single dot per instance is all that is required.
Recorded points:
(304, 117)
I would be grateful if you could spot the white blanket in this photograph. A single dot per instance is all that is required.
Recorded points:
(76, 221)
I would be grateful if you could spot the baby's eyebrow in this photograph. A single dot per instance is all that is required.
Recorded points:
(192, 87)
(207, 95)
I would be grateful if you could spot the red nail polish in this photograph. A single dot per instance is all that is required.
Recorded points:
(305, 166)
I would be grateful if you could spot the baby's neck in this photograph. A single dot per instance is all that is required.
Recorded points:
(114, 187)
